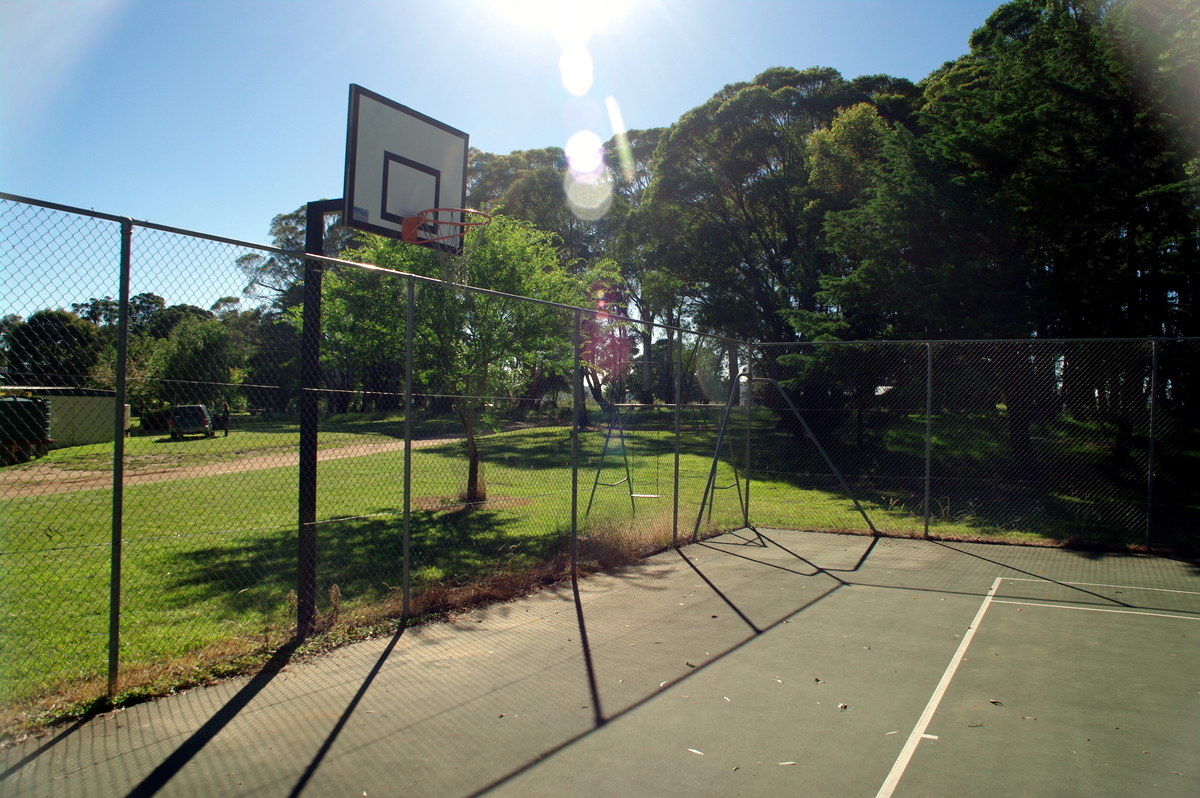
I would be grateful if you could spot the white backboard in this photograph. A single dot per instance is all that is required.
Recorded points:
(399, 162)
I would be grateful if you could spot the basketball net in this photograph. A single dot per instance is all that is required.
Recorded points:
(454, 234)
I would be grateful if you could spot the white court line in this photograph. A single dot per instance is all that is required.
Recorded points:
(918, 733)
(1101, 584)
(1098, 609)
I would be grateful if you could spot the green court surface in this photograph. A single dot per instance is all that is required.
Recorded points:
(762, 663)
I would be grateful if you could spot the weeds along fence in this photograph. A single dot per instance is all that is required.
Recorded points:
(429, 444)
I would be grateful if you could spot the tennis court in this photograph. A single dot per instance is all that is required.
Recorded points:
(765, 662)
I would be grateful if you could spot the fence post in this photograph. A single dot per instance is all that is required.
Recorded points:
(928, 426)
(576, 410)
(408, 410)
(118, 484)
(1150, 463)
(749, 401)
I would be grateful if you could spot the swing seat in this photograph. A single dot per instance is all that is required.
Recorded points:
(645, 495)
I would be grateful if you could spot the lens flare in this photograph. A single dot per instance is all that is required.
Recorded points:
(585, 152)
(575, 66)
(589, 195)
(588, 183)
(624, 151)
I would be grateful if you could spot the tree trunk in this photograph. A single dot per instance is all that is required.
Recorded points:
(468, 404)
(592, 381)
(734, 382)
(646, 394)
(338, 384)
(1024, 460)
(1016, 377)
(476, 489)
(669, 368)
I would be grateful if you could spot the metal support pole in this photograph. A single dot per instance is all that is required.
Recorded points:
(928, 427)
(118, 477)
(408, 410)
(625, 460)
(310, 381)
(678, 400)
(597, 713)
(1150, 463)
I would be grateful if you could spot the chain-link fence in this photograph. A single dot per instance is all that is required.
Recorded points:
(186, 485)
(1084, 442)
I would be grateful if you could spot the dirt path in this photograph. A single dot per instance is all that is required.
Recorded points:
(41, 479)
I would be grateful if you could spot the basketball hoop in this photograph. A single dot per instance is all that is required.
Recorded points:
(431, 225)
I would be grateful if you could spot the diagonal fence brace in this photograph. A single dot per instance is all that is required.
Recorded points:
(808, 431)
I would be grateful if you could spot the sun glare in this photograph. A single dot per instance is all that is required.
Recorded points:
(588, 184)
(570, 21)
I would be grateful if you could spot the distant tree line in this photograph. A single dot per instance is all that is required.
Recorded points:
(1046, 184)
(175, 354)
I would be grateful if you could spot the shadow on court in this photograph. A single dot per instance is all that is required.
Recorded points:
(762, 662)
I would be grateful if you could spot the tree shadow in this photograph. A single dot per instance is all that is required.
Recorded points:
(1079, 489)
(362, 556)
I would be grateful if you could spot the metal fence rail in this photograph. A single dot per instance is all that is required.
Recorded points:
(334, 488)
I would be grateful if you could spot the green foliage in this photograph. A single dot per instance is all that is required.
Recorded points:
(460, 336)
(141, 356)
(926, 258)
(164, 322)
(491, 177)
(840, 156)
(529, 185)
(279, 279)
(467, 345)
(7, 322)
(52, 347)
(199, 364)
(1045, 192)
(731, 183)
(101, 312)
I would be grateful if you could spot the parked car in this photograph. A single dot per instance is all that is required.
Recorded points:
(191, 420)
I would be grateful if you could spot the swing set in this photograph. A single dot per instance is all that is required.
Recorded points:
(615, 440)
(616, 428)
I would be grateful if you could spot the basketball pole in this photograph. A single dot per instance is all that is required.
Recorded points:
(310, 383)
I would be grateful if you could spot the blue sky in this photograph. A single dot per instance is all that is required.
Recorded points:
(215, 116)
